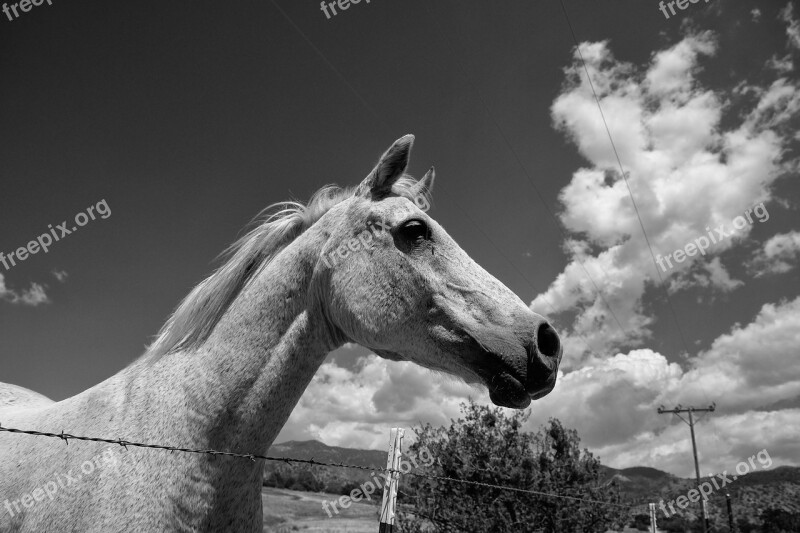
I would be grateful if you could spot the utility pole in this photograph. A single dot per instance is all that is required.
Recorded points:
(677, 411)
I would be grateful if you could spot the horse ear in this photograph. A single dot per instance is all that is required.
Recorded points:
(425, 185)
(389, 169)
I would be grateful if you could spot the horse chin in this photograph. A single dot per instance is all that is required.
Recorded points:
(391, 356)
(507, 391)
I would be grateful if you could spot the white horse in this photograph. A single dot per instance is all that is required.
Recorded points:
(232, 361)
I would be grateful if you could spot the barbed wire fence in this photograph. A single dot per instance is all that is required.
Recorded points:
(66, 437)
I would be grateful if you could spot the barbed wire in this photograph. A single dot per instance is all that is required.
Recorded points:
(289, 460)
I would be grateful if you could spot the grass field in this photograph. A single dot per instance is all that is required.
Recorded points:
(287, 511)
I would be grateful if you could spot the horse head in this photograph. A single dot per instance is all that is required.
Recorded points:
(392, 280)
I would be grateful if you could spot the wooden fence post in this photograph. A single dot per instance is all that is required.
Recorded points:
(730, 513)
(653, 518)
(390, 487)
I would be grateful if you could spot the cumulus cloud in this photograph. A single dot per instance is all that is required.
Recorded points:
(612, 403)
(694, 159)
(785, 64)
(722, 442)
(669, 134)
(754, 368)
(355, 407)
(782, 65)
(33, 296)
(792, 26)
(777, 256)
(777, 104)
(711, 274)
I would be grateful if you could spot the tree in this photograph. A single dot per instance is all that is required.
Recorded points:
(779, 521)
(674, 524)
(641, 522)
(293, 478)
(487, 446)
(743, 525)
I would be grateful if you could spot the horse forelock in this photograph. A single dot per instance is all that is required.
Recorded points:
(273, 229)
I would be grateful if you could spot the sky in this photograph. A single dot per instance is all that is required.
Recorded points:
(171, 125)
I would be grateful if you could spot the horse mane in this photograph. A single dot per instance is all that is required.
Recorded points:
(273, 229)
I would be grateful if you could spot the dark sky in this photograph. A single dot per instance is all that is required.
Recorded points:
(189, 118)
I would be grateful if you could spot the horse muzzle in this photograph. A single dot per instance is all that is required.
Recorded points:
(509, 386)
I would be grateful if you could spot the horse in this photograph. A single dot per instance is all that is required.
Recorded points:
(234, 357)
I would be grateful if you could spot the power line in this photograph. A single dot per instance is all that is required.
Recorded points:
(457, 204)
(524, 169)
(623, 175)
(630, 193)
(327, 62)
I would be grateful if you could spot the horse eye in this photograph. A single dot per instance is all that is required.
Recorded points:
(415, 231)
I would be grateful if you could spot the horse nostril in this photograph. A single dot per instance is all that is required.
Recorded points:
(547, 341)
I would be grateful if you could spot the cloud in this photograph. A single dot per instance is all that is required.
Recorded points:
(785, 64)
(777, 105)
(33, 296)
(792, 26)
(669, 134)
(777, 256)
(722, 442)
(60, 275)
(694, 160)
(355, 407)
(710, 274)
(782, 65)
(751, 367)
(752, 371)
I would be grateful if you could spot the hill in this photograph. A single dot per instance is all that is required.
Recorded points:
(314, 449)
(636, 482)
(318, 478)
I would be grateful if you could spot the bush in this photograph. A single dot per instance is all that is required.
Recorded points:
(488, 446)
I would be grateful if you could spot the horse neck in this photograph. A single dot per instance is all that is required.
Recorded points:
(237, 390)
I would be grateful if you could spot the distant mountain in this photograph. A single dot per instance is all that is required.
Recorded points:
(637, 479)
(750, 494)
(319, 478)
(314, 449)
(789, 474)
(644, 472)
(639, 483)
